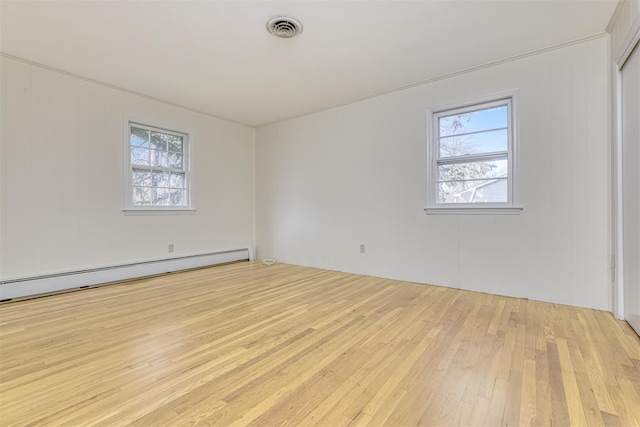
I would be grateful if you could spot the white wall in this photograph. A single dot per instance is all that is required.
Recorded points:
(330, 181)
(62, 154)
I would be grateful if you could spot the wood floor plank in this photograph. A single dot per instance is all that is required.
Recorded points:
(571, 391)
(542, 390)
(250, 344)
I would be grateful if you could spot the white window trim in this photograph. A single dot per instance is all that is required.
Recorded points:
(509, 207)
(131, 209)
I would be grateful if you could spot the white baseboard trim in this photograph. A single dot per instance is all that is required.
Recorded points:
(51, 283)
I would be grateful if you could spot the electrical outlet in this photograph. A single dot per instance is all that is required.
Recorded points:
(170, 247)
(362, 249)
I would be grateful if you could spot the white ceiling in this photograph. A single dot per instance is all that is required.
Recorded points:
(217, 57)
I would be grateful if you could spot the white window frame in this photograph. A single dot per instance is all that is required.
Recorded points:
(433, 158)
(129, 207)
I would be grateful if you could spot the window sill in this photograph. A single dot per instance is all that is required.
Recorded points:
(139, 212)
(474, 211)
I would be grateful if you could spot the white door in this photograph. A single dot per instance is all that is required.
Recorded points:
(631, 188)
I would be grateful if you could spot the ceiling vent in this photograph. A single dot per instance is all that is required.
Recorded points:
(285, 27)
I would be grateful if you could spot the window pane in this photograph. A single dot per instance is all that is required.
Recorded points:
(160, 196)
(139, 137)
(160, 179)
(473, 170)
(159, 158)
(177, 198)
(175, 143)
(141, 179)
(159, 141)
(141, 196)
(481, 191)
(177, 180)
(485, 142)
(175, 160)
(139, 156)
(490, 118)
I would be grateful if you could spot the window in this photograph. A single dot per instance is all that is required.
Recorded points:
(158, 169)
(472, 157)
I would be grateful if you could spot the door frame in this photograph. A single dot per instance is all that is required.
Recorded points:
(621, 58)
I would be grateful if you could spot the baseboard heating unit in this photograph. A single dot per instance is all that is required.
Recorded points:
(51, 283)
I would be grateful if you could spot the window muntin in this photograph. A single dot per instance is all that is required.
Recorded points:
(472, 156)
(158, 168)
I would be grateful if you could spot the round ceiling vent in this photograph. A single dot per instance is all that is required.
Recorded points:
(285, 27)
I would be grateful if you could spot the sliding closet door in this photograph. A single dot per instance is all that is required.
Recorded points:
(631, 187)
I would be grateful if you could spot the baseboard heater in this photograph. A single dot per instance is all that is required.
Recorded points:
(51, 283)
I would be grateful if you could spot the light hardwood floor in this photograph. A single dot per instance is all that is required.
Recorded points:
(283, 345)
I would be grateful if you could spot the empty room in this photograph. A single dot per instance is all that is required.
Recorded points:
(320, 213)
